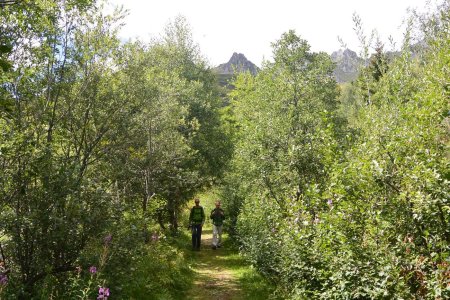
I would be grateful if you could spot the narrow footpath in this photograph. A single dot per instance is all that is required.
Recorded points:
(222, 273)
(218, 272)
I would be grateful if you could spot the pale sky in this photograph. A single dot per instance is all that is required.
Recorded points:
(249, 27)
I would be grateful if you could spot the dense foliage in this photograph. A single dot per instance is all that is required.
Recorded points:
(98, 138)
(333, 192)
(346, 197)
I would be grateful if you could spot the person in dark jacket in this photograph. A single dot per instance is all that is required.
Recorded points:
(217, 216)
(196, 221)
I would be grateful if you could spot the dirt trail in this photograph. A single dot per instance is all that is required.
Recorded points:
(216, 272)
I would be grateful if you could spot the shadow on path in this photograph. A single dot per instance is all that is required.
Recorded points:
(217, 271)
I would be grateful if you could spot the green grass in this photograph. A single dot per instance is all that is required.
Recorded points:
(222, 273)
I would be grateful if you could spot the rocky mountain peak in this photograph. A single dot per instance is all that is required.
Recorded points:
(344, 54)
(237, 63)
(347, 63)
(237, 58)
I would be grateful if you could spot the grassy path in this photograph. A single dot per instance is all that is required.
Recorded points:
(222, 273)
(217, 272)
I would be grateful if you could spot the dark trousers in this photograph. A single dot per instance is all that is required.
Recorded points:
(196, 235)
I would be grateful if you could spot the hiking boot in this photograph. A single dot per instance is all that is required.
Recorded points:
(214, 247)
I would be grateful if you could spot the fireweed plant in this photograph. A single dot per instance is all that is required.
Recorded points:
(85, 290)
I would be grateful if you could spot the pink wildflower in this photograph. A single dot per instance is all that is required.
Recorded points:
(3, 279)
(103, 293)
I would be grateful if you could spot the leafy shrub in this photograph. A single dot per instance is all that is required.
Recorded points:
(360, 212)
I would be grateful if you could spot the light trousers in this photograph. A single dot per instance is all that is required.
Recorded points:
(217, 235)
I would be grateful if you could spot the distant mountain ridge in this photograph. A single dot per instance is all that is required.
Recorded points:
(347, 64)
(237, 63)
(346, 70)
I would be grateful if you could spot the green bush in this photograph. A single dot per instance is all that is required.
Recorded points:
(347, 210)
